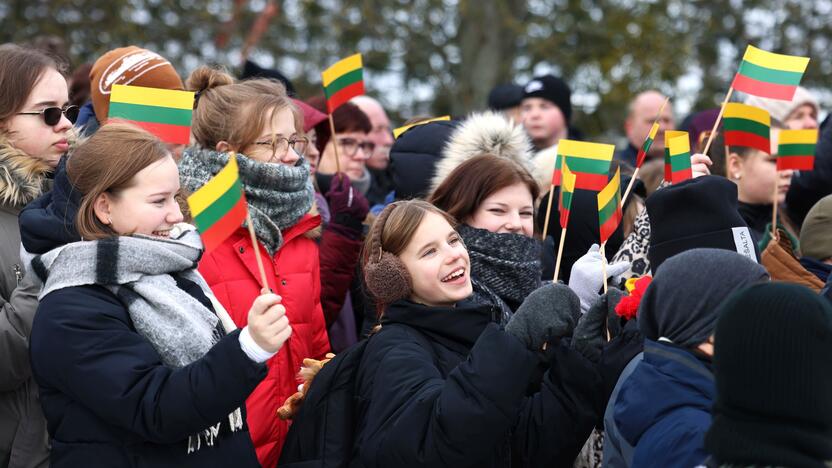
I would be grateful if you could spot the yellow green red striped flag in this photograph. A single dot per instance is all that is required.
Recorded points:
(566, 191)
(747, 126)
(398, 132)
(343, 81)
(796, 149)
(219, 207)
(677, 156)
(648, 142)
(609, 206)
(590, 162)
(769, 75)
(165, 113)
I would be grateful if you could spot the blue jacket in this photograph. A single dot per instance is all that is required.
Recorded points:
(107, 397)
(457, 395)
(664, 407)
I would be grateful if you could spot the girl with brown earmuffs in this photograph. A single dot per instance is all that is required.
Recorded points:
(441, 384)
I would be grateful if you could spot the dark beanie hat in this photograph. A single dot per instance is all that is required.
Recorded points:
(252, 70)
(681, 304)
(700, 212)
(414, 155)
(552, 89)
(772, 361)
(505, 96)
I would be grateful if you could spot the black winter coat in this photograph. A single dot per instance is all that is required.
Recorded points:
(462, 402)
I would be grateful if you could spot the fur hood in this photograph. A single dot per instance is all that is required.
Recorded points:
(21, 176)
(486, 132)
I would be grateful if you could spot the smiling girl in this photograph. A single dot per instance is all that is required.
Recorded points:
(137, 364)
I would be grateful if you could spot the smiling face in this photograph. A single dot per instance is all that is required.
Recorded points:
(438, 263)
(30, 133)
(148, 206)
(508, 210)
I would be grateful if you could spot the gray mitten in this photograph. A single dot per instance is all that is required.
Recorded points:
(589, 336)
(548, 312)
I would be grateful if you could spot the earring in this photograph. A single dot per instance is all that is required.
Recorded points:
(109, 219)
(737, 176)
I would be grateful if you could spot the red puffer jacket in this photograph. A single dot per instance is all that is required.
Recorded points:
(294, 274)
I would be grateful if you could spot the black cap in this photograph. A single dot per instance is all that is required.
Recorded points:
(252, 70)
(505, 96)
(552, 89)
(414, 155)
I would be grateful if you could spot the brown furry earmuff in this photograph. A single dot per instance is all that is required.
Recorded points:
(385, 275)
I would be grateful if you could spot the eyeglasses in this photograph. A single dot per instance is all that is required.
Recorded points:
(350, 146)
(52, 115)
(281, 145)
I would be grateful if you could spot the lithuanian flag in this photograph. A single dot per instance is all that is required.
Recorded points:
(219, 207)
(769, 75)
(747, 126)
(676, 156)
(398, 132)
(642, 153)
(343, 81)
(590, 162)
(796, 149)
(609, 206)
(165, 113)
(566, 191)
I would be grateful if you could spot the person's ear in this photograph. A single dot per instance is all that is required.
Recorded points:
(101, 207)
(733, 166)
(223, 146)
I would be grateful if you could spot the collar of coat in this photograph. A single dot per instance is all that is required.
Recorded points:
(455, 327)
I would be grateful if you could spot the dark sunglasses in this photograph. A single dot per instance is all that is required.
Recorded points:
(52, 115)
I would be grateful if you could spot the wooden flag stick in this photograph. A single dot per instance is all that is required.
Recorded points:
(604, 266)
(548, 211)
(263, 280)
(718, 119)
(334, 144)
(630, 186)
(774, 232)
(560, 255)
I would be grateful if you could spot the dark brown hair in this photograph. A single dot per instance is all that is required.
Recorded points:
(234, 112)
(108, 162)
(465, 188)
(345, 119)
(20, 70)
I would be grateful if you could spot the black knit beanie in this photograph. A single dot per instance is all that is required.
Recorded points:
(552, 89)
(772, 362)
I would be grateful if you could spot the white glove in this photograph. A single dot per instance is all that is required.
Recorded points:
(585, 278)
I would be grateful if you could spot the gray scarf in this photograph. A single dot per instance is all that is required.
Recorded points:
(277, 195)
(506, 264)
(138, 269)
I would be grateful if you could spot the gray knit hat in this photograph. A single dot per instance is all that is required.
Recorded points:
(816, 232)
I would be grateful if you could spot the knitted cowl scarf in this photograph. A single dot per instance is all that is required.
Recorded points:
(507, 265)
(277, 195)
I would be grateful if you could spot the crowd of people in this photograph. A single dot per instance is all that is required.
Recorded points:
(701, 335)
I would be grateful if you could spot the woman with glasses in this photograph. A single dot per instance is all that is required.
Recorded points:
(34, 133)
(257, 123)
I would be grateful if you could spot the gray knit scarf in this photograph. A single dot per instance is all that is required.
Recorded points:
(277, 195)
(138, 269)
(507, 265)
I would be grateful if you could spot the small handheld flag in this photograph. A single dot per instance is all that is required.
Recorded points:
(219, 207)
(566, 191)
(590, 162)
(398, 132)
(609, 207)
(343, 81)
(165, 113)
(769, 75)
(796, 149)
(677, 156)
(642, 153)
(747, 126)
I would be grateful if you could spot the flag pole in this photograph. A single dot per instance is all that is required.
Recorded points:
(604, 266)
(774, 233)
(548, 211)
(560, 254)
(718, 119)
(334, 144)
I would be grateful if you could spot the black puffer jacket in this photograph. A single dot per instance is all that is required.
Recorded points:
(462, 402)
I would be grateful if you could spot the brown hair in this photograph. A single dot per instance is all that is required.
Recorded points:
(107, 162)
(346, 118)
(20, 70)
(234, 112)
(465, 188)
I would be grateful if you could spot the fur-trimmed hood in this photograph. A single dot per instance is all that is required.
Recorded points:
(21, 176)
(486, 132)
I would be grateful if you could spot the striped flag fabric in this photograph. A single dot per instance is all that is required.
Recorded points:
(590, 162)
(796, 149)
(343, 81)
(609, 206)
(769, 75)
(677, 156)
(747, 126)
(648, 142)
(165, 113)
(398, 132)
(566, 191)
(219, 207)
